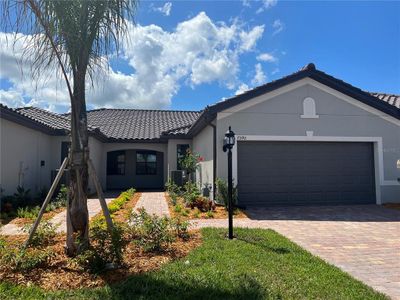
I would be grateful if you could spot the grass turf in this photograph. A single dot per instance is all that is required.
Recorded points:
(259, 264)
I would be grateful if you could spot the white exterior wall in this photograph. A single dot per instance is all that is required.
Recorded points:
(21, 151)
(203, 145)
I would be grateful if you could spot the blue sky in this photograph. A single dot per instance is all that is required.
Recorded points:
(187, 54)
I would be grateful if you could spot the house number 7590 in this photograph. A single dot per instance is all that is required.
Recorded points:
(241, 138)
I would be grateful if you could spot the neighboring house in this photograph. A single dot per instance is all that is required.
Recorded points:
(307, 138)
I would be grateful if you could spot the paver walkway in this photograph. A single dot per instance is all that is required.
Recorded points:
(60, 218)
(154, 203)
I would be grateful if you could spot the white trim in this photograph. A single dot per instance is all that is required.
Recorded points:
(378, 153)
(309, 117)
(300, 83)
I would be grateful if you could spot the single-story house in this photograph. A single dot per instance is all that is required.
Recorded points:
(305, 139)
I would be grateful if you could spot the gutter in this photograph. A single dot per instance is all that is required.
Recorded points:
(214, 158)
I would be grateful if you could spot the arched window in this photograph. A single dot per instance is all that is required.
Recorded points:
(309, 111)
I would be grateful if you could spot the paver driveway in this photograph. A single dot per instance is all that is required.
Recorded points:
(362, 240)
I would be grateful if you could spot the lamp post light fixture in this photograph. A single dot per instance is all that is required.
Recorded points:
(229, 142)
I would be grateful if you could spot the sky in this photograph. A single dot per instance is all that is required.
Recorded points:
(184, 55)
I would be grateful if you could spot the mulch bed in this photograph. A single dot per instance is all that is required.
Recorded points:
(122, 215)
(219, 212)
(392, 205)
(46, 216)
(62, 272)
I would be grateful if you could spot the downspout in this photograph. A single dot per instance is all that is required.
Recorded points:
(214, 158)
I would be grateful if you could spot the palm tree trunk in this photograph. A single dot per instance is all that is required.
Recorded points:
(77, 211)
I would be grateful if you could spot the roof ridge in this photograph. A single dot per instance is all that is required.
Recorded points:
(57, 115)
(141, 109)
(382, 93)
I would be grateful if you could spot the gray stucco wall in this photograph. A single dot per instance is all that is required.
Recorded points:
(280, 116)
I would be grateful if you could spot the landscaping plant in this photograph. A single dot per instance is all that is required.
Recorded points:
(106, 249)
(222, 192)
(190, 163)
(44, 234)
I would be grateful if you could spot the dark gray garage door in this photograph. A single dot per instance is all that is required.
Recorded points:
(305, 173)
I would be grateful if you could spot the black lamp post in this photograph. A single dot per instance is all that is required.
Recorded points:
(229, 142)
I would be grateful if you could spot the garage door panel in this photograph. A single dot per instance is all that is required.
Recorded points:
(305, 173)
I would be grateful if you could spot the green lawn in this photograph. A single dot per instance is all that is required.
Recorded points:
(260, 264)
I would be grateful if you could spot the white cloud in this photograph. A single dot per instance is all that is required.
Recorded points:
(242, 88)
(268, 57)
(246, 3)
(11, 98)
(165, 9)
(198, 51)
(278, 25)
(259, 77)
(266, 4)
(250, 38)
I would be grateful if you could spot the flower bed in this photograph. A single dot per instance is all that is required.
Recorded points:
(140, 244)
(180, 210)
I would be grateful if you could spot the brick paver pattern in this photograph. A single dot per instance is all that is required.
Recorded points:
(154, 203)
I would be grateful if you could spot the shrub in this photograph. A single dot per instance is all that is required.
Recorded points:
(185, 212)
(196, 213)
(152, 233)
(178, 208)
(25, 260)
(28, 212)
(181, 228)
(190, 162)
(209, 214)
(22, 196)
(118, 202)
(222, 192)
(203, 204)
(44, 234)
(106, 248)
(191, 193)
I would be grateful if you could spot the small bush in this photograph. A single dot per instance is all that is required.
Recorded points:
(117, 203)
(210, 214)
(25, 260)
(28, 212)
(222, 192)
(106, 248)
(22, 197)
(203, 204)
(178, 208)
(152, 233)
(44, 234)
(191, 193)
(196, 213)
(185, 212)
(181, 228)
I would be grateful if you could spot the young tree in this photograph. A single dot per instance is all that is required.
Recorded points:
(75, 36)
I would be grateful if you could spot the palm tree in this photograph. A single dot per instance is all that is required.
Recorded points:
(75, 36)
